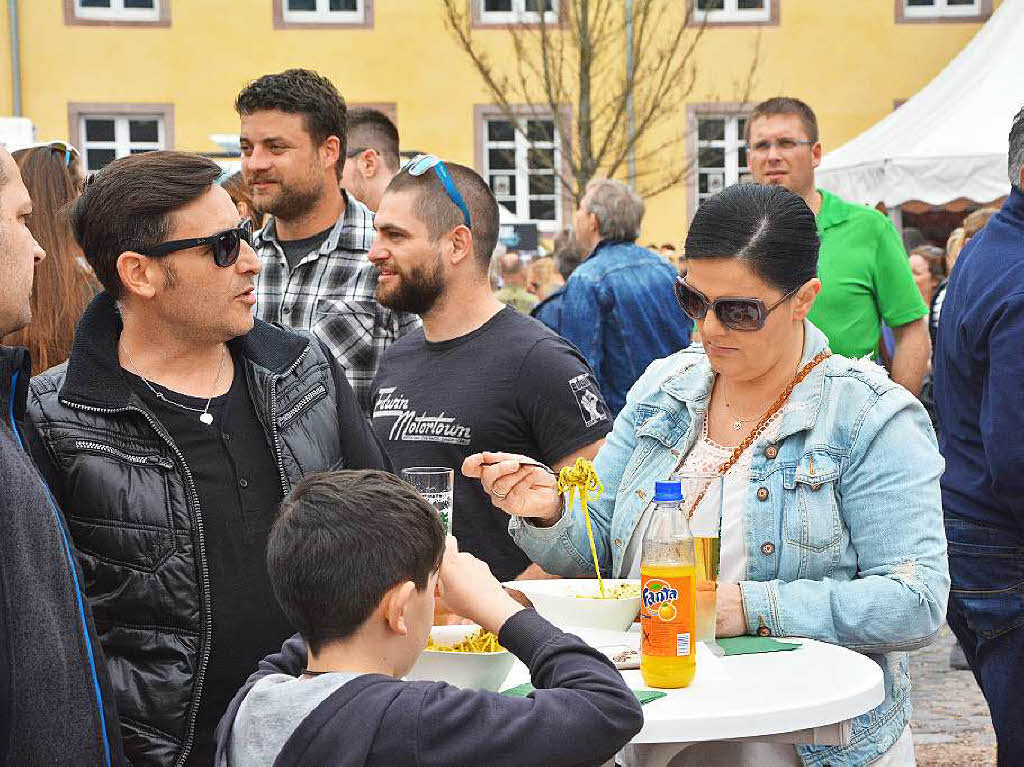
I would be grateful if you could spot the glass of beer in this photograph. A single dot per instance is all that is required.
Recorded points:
(705, 490)
(437, 486)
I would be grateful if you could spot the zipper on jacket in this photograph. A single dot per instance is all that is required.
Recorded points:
(203, 567)
(274, 432)
(69, 558)
(141, 460)
(306, 399)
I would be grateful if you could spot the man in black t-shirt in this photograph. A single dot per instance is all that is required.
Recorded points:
(478, 375)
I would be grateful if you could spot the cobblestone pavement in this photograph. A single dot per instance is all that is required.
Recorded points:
(951, 723)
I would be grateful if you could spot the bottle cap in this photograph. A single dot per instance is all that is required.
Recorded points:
(668, 491)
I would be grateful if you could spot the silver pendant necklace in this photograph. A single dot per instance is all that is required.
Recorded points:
(205, 416)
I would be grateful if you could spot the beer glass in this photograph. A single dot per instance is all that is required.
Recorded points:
(705, 520)
(436, 484)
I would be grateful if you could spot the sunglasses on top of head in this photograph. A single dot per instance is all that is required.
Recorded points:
(420, 164)
(225, 245)
(735, 313)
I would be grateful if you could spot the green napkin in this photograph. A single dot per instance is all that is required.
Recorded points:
(751, 645)
(644, 696)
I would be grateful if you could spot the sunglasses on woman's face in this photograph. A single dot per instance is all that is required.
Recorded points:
(734, 313)
(225, 245)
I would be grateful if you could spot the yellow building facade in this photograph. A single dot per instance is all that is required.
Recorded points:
(117, 76)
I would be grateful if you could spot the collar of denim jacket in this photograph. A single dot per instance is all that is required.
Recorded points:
(692, 381)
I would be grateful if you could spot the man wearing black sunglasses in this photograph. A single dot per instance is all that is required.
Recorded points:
(864, 271)
(169, 438)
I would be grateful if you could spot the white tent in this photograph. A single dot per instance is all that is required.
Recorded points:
(950, 140)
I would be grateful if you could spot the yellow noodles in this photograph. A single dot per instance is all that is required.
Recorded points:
(622, 591)
(582, 478)
(481, 641)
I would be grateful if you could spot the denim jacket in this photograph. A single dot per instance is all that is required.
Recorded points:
(619, 309)
(843, 519)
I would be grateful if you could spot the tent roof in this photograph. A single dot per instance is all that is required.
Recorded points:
(948, 141)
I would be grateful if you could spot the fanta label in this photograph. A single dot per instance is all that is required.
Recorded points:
(667, 615)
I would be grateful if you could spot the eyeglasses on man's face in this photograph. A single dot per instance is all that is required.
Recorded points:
(782, 144)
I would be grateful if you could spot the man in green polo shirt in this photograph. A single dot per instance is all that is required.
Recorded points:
(864, 271)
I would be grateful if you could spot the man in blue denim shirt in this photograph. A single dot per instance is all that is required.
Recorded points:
(619, 308)
(979, 391)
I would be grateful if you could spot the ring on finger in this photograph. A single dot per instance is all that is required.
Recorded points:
(499, 496)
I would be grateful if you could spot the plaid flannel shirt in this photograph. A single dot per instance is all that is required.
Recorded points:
(330, 292)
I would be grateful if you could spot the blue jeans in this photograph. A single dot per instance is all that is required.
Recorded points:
(986, 612)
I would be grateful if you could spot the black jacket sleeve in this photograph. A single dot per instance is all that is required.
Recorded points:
(582, 712)
(360, 446)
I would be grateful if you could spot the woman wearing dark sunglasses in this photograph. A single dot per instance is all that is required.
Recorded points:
(832, 522)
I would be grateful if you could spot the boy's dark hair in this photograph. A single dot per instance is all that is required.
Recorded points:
(373, 129)
(436, 209)
(767, 227)
(341, 540)
(785, 105)
(128, 205)
(300, 91)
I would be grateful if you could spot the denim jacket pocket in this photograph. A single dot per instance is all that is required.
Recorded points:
(812, 520)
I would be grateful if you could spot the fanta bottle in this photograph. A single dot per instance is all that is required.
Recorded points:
(667, 590)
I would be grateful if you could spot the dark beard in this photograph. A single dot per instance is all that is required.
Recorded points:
(418, 292)
(293, 203)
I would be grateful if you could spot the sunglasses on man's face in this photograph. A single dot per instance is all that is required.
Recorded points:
(735, 313)
(225, 245)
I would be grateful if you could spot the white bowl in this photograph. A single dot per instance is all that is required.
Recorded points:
(560, 602)
(468, 670)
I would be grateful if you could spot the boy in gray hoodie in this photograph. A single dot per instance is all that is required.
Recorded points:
(354, 557)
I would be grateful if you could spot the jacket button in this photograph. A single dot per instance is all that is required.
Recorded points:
(618, 542)
(286, 310)
(768, 549)
(771, 451)
(764, 631)
(762, 494)
(243, 482)
(816, 486)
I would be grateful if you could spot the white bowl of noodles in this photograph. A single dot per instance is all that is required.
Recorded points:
(577, 602)
(460, 666)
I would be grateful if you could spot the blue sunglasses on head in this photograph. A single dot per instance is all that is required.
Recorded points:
(420, 164)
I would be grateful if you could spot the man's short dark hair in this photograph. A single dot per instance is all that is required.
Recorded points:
(128, 205)
(300, 91)
(341, 541)
(373, 129)
(785, 105)
(435, 208)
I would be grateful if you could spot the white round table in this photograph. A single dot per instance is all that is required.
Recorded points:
(807, 695)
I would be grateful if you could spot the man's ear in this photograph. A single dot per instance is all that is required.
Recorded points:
(330, 151)
(804, 298)
(394, 606)
(369, 164)
(462, 244)
(816, 154)
(140, 275)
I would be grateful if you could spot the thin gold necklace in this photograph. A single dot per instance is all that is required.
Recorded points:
(738, 421)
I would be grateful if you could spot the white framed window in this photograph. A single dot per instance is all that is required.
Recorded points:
(107, 137)
(517, 11)
(521, 168)
(118, 10)
(324, 11)
(721, 153)
(732, 11)
(933, 9)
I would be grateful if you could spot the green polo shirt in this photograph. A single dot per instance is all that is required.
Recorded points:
(865, 277)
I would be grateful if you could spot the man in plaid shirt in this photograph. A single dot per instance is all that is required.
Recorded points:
(316, 275)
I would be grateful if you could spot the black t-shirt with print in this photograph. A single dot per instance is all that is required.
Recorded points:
(510, 385)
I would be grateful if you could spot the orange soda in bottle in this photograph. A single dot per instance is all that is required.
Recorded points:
(667, 591)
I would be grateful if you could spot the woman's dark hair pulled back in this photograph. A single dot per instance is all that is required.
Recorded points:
(768, 227)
